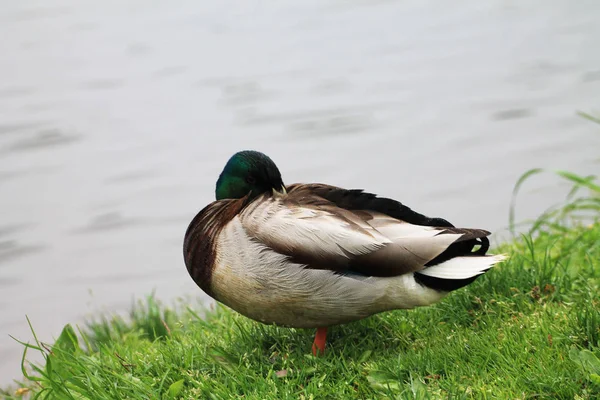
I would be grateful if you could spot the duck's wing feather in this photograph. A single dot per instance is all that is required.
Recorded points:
(357, 199)
(318, 233)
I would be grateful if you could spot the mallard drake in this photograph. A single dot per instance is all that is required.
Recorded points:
(314, 255)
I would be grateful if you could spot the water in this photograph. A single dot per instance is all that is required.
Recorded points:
(116, 118)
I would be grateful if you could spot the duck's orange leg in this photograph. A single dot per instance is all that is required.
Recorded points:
(319, 343)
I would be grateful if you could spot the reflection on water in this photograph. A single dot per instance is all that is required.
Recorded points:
(116, 118)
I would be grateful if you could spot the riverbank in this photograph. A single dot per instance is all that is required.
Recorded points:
(528, 328)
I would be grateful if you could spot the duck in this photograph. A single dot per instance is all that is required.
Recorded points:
(312, 255)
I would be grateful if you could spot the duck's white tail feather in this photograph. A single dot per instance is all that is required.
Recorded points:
(462, 267)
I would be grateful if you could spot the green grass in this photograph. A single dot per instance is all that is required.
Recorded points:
(574, 208)
(530, 328)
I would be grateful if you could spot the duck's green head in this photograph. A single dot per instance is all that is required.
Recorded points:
(248, 172)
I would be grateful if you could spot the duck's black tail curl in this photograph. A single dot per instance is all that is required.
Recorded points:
(461, 263)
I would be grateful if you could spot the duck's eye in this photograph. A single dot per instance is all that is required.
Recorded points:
(250, 179)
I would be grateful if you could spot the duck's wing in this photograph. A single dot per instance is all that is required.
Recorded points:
(357, 200)
(316, 232)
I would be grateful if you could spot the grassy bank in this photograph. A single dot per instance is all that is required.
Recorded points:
(528, 329)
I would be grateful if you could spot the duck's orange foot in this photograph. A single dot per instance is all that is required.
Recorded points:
(319, 343)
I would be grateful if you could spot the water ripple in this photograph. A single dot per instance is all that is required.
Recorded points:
(44, 139)
(12, 92)
(108, 222)
(18, 127)
(514, 113)
(12, 249)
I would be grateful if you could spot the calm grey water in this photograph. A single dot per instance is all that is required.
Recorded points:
(117, 116)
